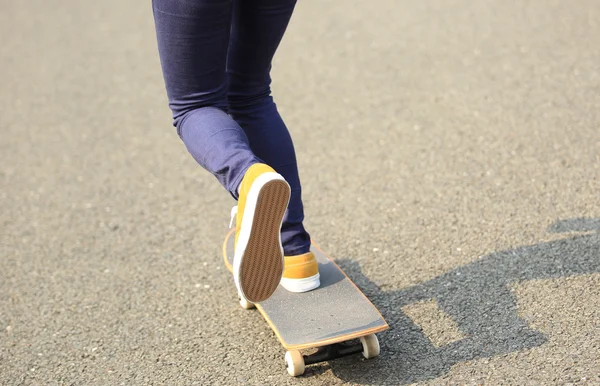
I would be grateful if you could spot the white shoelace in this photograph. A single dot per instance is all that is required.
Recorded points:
(233, 214)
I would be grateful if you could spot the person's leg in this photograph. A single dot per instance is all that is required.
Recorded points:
(193, 39)
(257, 29)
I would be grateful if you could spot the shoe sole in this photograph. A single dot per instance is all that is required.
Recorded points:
(301, 285)
(261, 265)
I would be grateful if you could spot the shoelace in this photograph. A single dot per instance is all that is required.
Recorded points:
(225, 258)
(233, 214)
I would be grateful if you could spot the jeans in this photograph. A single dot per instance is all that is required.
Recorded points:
(216, 59)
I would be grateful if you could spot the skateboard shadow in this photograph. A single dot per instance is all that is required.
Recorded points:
(329, 275)
(478, 298)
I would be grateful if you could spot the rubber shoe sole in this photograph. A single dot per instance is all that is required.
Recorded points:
(301, 285)
(259, 267)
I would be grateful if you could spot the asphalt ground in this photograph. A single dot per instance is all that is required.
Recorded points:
(450, 158)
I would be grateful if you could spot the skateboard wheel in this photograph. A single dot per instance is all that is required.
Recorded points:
(370, 345)
(294, 362)
(246, 304)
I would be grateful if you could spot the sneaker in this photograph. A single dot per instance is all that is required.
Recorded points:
(301, 273)
(258, 258)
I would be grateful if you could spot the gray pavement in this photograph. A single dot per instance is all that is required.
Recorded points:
(450, 157)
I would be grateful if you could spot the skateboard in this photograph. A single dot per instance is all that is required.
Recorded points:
(337, 319)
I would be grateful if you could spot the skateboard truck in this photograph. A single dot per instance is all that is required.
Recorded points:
(334, 351)
(296, 362)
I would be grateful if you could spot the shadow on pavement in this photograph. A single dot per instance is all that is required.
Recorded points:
(478, 298)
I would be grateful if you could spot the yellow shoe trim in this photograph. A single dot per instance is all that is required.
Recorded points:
(300, 266)
(250, 176)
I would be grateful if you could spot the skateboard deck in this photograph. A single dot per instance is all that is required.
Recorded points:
(337, 311)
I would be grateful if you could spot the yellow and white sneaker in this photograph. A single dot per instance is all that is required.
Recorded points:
(258, 258)
(301, 273)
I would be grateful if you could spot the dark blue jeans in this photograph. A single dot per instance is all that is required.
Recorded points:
(216, 58)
